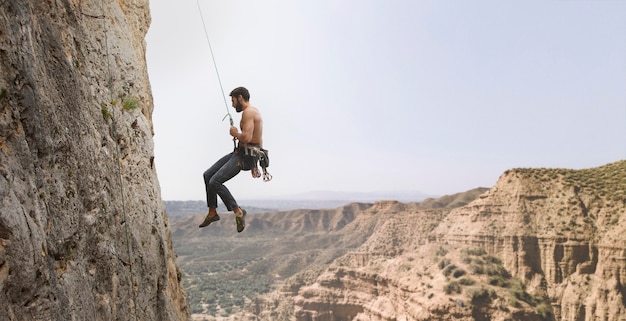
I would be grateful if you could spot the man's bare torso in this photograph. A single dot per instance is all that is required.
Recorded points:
(251, 121)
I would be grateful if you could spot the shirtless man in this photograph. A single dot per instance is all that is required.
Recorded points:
(229, 166)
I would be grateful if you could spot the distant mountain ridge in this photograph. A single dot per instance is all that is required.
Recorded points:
(320, 195)
(310, 200)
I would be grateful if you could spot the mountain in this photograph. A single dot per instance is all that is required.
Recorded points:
(275, 246)
(309, 200)
(541, 244)
(348, 197)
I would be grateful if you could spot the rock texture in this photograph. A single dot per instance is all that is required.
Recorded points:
(561, 231)
(542, 244)
(83, 231)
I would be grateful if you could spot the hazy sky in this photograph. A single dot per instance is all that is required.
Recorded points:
(386, 95)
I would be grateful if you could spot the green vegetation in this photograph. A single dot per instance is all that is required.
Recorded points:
(228, 292)
(224, 286)
(466, 281)
(473, 251)
(499, 282)
(452, 287)
(130, 103)
(481, 295)
(518, 293)
(545, 310)
(223, 274)
(448, 269)
(481, 263)
(457, 273)
(3, 93)
(306, 277)
(608, 181)
(106, 113)
(453, 270)
(441, 251)
(443, 263)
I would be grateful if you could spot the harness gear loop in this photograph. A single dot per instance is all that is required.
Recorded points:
(261, 155)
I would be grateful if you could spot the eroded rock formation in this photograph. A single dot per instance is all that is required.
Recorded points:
(562, 231)
(83, 231)
(542, 244)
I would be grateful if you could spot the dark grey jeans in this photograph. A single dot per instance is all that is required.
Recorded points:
(215, 177)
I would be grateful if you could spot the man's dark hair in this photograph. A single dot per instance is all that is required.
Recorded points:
(241, 91)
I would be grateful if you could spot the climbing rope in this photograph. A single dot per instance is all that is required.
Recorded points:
(266, 175)
(119, 165)
(206, 33)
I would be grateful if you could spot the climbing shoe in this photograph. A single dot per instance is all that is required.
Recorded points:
(241, 221)
(209, 219)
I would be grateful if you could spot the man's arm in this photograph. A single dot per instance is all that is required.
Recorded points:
(247, 128)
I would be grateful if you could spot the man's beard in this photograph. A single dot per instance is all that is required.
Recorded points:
(238, 107)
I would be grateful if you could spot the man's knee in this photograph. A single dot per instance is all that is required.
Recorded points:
(207, 176)
(214, 183)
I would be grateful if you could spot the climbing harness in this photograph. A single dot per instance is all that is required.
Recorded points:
(261, 156)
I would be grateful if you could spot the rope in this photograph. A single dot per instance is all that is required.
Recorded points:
(119, 165)
(206, 33)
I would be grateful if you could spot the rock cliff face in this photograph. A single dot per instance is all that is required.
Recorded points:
(561, 231)
(83, 231)
(542, 244)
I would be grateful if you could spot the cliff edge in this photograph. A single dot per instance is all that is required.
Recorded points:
(83, 231)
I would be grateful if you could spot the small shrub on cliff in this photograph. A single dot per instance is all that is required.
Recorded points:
(3, 93)
(449, 269)
(497, 270)
(474, 251)
(493, 259)
(481, 263)
(452, 287)
(443, 263)
(480, 296)
(545, 310)
(466, 281)
(106, 113)
(499, 281)
(130, 103)
(518, 291)
(478, 266)
(457, 273)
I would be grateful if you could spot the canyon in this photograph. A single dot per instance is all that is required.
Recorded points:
(85, 235)
(541, 244)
